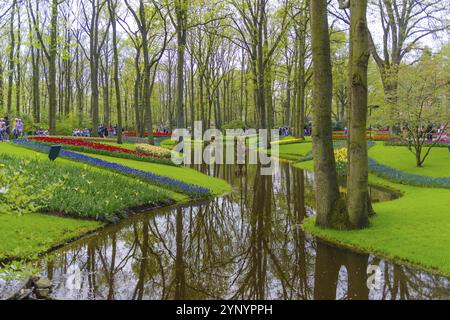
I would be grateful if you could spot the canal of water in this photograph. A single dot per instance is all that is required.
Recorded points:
(244, 245)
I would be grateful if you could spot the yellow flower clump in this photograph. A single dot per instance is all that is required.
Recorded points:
(341, 155)
(154, 150)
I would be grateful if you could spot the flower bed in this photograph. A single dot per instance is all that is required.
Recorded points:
(158, 152)
(165, 182)
(373, 137)
(404, 143)
(101, 149)
(92, 139)
(406, 178)
(75, 191)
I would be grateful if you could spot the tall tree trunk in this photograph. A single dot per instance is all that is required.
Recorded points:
(202, 99)
(329, 204)
(181, 17)
(35, 62)
(68, 77)
(12, 46)
(301, 93)
(79, 88)
(241, 85)
(192, 95)
(112, 12)
(137, 84)
(52, 68)
(94, 57)
(147, 73)
(19, 70)
(287, 105)
(1, 86)
(357, 180)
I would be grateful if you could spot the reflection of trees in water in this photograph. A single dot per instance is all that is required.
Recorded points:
(329, 262)
(248, 245)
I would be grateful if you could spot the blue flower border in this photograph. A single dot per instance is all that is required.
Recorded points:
(172, 184)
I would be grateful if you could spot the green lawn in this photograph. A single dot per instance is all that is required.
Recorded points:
(32, 234)
(413, 229)
(294, 151)
(217, 186)
(436, 165)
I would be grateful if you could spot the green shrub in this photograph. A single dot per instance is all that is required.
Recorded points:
(234, 124)
(18, 192)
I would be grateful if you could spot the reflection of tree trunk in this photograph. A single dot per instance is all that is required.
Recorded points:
(357, 276)
(50, 268)
(112, 267)
(91, 268)
(144, 261)
(180, 281)
(299, 236)
(326, 272)
(260, 226)
(399, 288)
(300, 205)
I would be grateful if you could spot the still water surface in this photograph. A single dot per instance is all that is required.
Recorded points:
(245, 245)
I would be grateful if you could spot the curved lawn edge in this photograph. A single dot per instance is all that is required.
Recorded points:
(84, 228)
(54, 233)
(401, 177)
(320, 233)
(411, 230)
(402, 159)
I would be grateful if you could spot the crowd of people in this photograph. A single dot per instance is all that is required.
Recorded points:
(102, 131)
(81, 132)
(40, 132)
(284, 131)
(5, 128)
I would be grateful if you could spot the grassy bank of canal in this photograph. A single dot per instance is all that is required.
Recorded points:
(410, 230)
(74, 213)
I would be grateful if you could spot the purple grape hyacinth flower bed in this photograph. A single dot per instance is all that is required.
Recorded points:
(192, 190)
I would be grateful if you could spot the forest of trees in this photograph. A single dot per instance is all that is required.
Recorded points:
(149, 63)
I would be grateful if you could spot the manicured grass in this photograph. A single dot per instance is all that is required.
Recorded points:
(412, 229)
(436, 165)
(300, 149)
(217, 186)
(294, 151)
(26, 236)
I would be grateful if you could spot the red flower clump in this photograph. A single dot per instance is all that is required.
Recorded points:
(92, 145)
